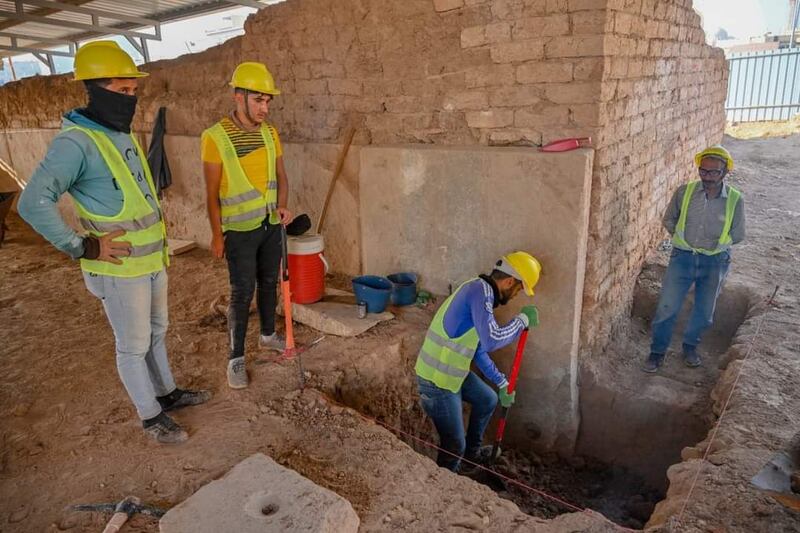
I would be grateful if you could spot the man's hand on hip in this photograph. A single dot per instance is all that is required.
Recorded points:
(105, 248)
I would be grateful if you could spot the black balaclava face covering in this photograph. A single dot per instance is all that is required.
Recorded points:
(110, 109)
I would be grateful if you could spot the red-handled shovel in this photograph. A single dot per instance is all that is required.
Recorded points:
(512, 384)
(485, 475)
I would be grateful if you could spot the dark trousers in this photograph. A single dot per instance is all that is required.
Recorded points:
(253, 262)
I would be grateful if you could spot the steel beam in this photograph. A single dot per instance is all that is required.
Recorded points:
(34, 38)
(47, 59)
(141, 47)
(29, 50)
(60, 6)
(105, 30)
(248, 3)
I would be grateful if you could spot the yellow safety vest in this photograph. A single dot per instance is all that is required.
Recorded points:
(443, 360)
(243, 207)
(144, 226)
(679, 238)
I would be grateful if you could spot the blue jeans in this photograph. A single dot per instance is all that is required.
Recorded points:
(707, 274)
(137, 311)
(445, 410)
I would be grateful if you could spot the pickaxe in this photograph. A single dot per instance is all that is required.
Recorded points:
(122, 511)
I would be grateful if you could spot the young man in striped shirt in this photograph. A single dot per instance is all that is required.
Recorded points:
(247, 193)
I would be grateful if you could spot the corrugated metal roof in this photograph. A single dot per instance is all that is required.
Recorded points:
(44, 22)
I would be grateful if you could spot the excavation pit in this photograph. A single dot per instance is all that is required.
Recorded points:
(642, 421)
(633, 425)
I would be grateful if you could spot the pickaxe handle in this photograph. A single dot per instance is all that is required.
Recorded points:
(116, 523)
(512, 384)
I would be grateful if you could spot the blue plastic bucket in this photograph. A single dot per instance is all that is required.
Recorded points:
(404, 288)
(375, 291)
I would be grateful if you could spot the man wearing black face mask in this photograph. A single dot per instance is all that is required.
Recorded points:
(705, 218)
(123, 253)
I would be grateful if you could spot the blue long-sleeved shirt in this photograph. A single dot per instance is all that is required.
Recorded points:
(73, 164)
(473, 306)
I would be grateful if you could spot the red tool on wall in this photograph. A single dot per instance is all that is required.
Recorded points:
(565, 145)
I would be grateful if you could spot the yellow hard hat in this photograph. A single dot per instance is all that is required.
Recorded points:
(254, 77)
(717, 152)
(104, 59)
(523, 267)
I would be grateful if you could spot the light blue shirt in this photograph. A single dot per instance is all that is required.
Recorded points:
(73, 164)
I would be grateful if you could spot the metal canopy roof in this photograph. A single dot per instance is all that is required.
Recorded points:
(37, 26)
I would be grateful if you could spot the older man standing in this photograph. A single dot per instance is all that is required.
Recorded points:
(247, 194)
(705, 218)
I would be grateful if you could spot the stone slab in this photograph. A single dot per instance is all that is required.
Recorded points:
(448, 212)
(336, 315)
(260, 496)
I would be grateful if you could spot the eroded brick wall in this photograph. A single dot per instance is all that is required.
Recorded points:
(444, 72)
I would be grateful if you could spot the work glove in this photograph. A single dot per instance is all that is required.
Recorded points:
(506, 399)
(530, 316)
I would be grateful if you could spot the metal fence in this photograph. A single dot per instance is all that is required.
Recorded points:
(763, 85)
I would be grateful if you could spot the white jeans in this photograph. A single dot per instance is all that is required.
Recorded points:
(137, 311)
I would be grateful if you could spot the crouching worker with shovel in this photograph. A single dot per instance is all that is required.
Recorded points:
(464, 329)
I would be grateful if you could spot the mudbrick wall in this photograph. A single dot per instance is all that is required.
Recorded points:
(635, 75)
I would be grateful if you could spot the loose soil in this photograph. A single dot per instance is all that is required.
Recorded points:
(70, 435)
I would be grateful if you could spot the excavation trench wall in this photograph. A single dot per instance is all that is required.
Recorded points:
(635, 75)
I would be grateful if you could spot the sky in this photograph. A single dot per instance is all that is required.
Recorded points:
(743, 19)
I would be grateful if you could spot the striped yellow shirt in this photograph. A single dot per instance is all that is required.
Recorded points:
(249, 148)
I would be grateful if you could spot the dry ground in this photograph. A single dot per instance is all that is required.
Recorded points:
(69, 434)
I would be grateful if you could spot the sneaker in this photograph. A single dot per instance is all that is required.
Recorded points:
(237, 374)
(273, 342)
(690, 356)
(164, 430)
(653, 363)
(482, 456)
(183, 398)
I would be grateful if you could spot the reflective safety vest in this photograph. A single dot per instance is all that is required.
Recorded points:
(244, 207)
(679, 238)
(444, 360)
(144, 226)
